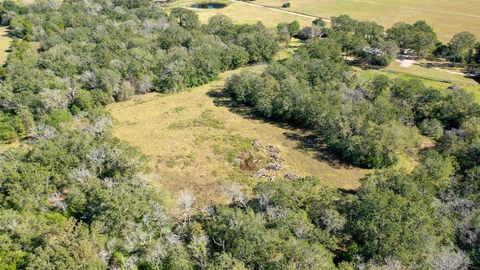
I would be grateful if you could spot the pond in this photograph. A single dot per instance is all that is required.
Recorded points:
(209, 5)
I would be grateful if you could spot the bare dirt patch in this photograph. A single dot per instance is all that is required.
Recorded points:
(406, 63)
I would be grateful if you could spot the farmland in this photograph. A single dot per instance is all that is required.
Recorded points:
(445, 17)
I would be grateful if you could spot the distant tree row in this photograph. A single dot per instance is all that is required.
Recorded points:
(374, 45)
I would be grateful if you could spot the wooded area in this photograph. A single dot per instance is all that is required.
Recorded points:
(75, 197)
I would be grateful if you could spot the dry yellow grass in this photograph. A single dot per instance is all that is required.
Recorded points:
(446, 16)
(188, 136)
(244, 13)
(4, 44)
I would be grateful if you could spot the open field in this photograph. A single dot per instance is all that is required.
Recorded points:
(194, 137)
(441, 78)
(242, 12)
(4, 44)
(447, 17)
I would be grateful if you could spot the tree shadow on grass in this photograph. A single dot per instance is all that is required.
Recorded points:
(476, 79)
(307, 140)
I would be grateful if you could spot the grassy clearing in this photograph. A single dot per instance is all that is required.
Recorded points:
(194, 140)
(433, 77)
(446, 16)
(244, 13)
(4, 44)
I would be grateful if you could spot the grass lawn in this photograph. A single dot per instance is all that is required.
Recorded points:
(4, 44)
(192, 137)
(446, 16)
(244, 13)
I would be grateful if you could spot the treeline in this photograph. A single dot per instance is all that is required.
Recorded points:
(372, 44)
(95, 52)
(369, 124)
(424, 219)
(396, 220)
(77, 200)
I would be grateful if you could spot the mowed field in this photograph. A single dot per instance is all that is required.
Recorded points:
(243, 12)
(446, 16)
(194, 137)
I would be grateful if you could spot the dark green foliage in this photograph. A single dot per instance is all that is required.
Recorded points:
(419, 37)
(319, 22)
(258, 41)
(461, 48)
(464, 144)
(363, 39)
(379, 54)
(395, 216)
(431, 128)
(186, 18)
(279, 231)
(81, 66)
(311, 90)
(387, 224)
(7, 133)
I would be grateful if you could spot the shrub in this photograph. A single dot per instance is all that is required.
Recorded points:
(7, 133)
(56, 118)
(83, 101)
(431, 128)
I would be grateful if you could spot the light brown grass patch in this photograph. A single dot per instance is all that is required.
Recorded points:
(194, 139)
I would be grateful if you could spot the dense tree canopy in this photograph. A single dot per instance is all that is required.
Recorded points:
(369, 125)
(72, 196)
(418, 37)
(95, 52)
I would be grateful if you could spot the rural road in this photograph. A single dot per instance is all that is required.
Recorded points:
(281, 10)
